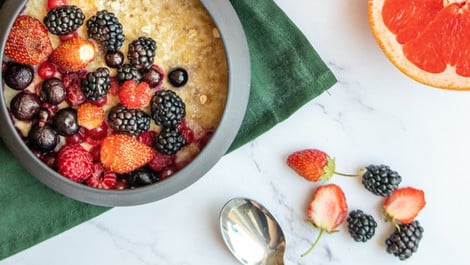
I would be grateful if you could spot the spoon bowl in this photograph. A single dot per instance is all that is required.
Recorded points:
(252, 233)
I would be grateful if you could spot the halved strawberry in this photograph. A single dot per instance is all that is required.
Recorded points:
(327, 210)
(135, 95)
(73, 55)
(28, 41)
(122, 153)
(312, 164)
(90, 116)
(404, 204)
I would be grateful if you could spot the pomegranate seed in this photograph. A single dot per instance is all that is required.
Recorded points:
(95, 152)
(47, 70)
(55, 3)
(166, 173)
(74, 139)
(75, 95)
(186, 132)
(147, 137)
(114, 89)
(101, 102)
(49, 159)
(98, 133)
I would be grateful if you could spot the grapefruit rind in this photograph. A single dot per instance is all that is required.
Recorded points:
(393, 50)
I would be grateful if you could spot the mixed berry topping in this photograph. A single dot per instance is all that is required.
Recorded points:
(109, 126)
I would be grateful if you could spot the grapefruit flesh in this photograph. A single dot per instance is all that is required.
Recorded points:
(429, 40)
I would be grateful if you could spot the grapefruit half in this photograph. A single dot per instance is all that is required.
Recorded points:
(428, 40)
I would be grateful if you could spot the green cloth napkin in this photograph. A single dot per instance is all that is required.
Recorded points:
(286, 73)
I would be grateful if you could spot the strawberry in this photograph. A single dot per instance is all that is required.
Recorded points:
(122, 153)
(74, 162)
(327, 210)
(28, 41)
(90, 116)
(312, 164)
(135, 95)
(102, 179)
(404, 204)
(73, 55)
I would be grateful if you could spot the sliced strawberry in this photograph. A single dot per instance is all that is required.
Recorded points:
(135, 95)
(74, 162)
(312, 164)
(122, 153)
(101, 178)
(73, 55)
(327, 210)
(28, 41)
(90, 116)
(404, 204)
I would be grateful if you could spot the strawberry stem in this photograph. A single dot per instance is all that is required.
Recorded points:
(314, 244)
(346, 175)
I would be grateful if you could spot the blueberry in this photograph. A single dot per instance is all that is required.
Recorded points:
(178, 77)
(18, 76)
(65, 122)
(42, 138)
(152, 76)
(114, 59)
(24, 106)
(53, 91)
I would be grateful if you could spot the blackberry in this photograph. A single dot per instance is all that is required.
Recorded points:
(128, 121)
(53, 91)
(141, 52)
(25, 105)
(96, 84)
(64, 19)
(405, 240)
(167, 108)
(361, 226)
(380, 180)
(128, 72)
(170, 141)
(18, 76)
(140, 177)
(104, 27)
(178, 77)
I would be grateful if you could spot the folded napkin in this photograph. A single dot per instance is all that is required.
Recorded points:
(286, 73)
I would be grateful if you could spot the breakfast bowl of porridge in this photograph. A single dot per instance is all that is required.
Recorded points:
(117, 102)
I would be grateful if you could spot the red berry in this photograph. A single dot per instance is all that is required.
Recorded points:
(69, 36)
(47, 70)
(74, 139)
(147, 137)
(160, 161)
(98, 133)
(327, 210)
(101, 178)
(312, 164)
(135, 95)
(49, 159)
(114, 89)
(404, 204)
(101, 102)
(186, 132)
(167, 172)
(55, 3)
(74, 162)
(75, 96)
(95, 152)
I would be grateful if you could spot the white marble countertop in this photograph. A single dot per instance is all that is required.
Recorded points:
(374, 114)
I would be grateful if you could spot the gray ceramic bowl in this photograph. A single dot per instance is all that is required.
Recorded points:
(238, 91)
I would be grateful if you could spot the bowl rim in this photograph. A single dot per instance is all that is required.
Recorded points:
(238, 88)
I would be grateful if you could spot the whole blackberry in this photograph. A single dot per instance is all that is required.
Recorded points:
(167, 108)
(64, 19)
(170, 141)
(96, 84)
(361, 226)
(128, 72)
(128, 121)
(380, 180)
(105, 28)
(140, 177)
(405, 240)
(141, 52)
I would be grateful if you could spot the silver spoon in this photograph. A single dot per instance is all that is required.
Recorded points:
(251, 233)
